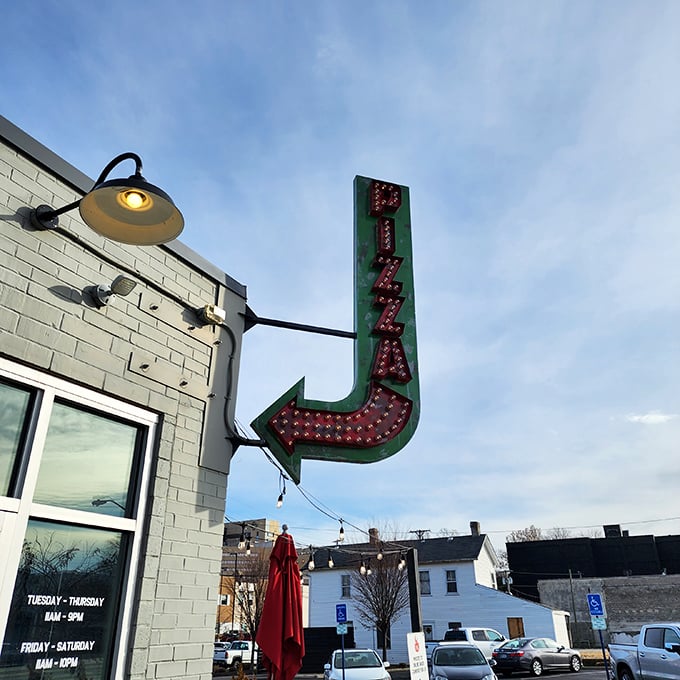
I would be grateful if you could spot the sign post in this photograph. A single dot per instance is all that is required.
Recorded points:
(341, 620)
(598, 619)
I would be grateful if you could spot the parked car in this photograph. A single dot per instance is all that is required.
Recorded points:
(235, 654)
(487, 639)
(460, 661)
(359, 664)
(656, 654)
(535, 655)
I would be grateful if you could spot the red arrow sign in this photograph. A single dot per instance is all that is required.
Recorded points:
(379, 420)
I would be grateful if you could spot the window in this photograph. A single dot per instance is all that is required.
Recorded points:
(670, 637)
(15, 401)
(225, 599)
(478, 635)
(451, 585)
(345, 590)
(425, 583)
(428, 630)
(494, 636)
(73, 465)
(654, 637)
(455, 625)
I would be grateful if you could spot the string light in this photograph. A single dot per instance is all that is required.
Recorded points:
(310, 565)
(362, 568)
(331, 564)
(242, 538)
(402, 563)
(341, 536)
(380, 552)
(369, 571)
(282, 490)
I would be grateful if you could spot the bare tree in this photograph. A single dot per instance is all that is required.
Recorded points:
(531, 533)
(250, 591)
(557, 533)
(380, 597)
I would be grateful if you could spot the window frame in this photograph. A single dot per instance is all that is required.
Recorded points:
(345, 586)
(16, 512)
(424, 582)
(451, 582)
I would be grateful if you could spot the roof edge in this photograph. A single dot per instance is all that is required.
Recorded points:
(69, 174)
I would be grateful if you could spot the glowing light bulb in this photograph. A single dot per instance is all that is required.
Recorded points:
(134, 199)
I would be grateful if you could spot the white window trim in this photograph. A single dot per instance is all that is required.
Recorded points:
(16, 511)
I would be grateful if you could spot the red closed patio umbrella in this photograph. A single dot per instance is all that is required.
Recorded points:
(280, 634)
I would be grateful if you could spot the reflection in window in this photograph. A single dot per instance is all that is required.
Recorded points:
(65, 602)
(424, 582)
(87, 462)
(14, 403)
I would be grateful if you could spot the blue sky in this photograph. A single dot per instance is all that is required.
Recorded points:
(540, 144)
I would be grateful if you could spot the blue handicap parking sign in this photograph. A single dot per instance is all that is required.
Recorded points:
(595, 604)
(341, 613)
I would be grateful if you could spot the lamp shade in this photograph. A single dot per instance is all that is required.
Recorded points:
(131, 211)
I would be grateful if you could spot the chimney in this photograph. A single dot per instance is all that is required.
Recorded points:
(474, 528)
(612, 530)
(373, 537)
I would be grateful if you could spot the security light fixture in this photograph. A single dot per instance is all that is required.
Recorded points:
(211, 314)
(125, 210)
(103, 293)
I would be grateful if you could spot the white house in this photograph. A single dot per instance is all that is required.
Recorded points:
(457, 589)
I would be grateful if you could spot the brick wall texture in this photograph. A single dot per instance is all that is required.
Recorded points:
(47, 321)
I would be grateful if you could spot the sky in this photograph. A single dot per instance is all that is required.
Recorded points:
(540, 144)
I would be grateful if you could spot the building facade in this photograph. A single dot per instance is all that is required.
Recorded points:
(114, 446)
(457, 588)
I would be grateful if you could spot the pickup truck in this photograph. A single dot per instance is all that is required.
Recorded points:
(487, 639)
(656, 656)
(235, 654)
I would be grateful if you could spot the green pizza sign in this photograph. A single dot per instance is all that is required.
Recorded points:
(380, 414)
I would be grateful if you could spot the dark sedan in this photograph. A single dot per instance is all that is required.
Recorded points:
(535, 655)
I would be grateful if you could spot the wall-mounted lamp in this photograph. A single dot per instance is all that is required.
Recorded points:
(125, 210)
(103, 293)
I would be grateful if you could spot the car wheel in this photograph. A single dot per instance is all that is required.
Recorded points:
(236, 665)
(574, 664)
(536, 667)
(625, 673)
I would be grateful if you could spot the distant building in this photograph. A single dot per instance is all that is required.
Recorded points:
(618, 554)
(457, 579)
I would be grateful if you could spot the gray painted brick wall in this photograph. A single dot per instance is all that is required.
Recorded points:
(47, 321)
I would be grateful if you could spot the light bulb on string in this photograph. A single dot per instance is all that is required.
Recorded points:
(331, 564)
(402, 563)
(310, 565)
(282, 490)
(362, 568)
(341, 536)
(242, 538)
(379, 556)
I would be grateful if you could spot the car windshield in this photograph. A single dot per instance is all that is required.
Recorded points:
(355, 659)
(516, 643)
(452, 656)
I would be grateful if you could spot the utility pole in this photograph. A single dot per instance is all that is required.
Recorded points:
(420, 533)
(414, 590)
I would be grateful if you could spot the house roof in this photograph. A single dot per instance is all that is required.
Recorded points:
(430, 551)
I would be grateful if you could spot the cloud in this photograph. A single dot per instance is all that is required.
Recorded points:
(653, 418)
